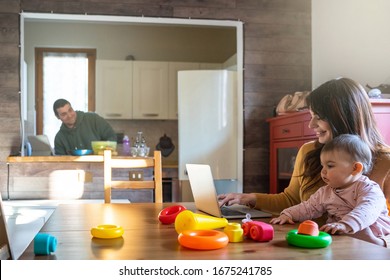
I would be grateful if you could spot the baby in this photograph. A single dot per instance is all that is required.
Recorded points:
(354, 204)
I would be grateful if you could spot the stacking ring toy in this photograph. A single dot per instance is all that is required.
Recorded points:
(203, 239)
(107, 231)
(168, 215)
(308, 241)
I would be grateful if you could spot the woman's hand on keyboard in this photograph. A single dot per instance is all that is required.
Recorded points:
(237, 198)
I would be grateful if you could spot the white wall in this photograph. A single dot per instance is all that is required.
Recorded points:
(351, 38)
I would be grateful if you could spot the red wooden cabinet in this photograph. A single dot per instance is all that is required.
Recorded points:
(381, 108)
(287, 134)
(290, 131)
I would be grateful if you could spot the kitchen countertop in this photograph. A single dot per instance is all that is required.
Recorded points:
(89, 158)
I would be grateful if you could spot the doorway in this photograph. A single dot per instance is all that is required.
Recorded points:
(149, 39)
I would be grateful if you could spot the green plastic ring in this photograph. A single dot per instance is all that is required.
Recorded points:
(308, 241)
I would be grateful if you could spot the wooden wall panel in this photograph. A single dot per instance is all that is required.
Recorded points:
(9, 80)
(277, 58)
(10, 6)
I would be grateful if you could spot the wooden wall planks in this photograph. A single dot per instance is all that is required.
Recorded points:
(277, 60)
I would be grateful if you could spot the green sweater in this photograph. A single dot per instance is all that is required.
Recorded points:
(89, 127)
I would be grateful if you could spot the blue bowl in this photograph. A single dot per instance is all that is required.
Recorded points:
(83, 152)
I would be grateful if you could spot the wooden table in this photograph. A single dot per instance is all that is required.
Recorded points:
(145, 238)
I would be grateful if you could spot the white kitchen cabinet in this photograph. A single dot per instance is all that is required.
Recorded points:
(114, 89)
(140, 89)
(210, 66)
(150, 90)
(174, 68)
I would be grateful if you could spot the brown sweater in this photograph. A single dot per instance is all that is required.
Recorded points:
(298, 190)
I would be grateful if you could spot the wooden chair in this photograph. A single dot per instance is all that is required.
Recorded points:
(111, 163)
(5, 248)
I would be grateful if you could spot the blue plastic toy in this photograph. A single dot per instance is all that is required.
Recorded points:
(44, 244)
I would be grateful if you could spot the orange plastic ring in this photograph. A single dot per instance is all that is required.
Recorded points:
(203, 239)
(168, 215)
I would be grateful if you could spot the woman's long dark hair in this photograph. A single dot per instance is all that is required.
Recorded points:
(345, 105)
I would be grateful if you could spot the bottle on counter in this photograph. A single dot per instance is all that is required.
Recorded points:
(126, 146)
(138, 139)
(140, 148)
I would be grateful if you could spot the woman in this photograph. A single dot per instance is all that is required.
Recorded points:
(339, 106)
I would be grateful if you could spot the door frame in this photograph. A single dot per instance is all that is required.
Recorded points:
(237, 24)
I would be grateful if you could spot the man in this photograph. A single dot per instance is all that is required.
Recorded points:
(79, 128)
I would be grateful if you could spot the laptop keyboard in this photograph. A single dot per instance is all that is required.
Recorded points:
(230, 212)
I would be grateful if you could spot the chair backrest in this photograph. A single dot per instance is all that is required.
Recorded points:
(111, 163)
(5, 248)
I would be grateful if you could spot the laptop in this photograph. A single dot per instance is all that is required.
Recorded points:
(40, 145)
(205, 196)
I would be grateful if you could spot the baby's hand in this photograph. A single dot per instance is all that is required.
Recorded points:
(282, 219)
(334, 228)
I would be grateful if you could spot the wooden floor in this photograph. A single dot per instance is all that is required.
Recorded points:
(25, 218)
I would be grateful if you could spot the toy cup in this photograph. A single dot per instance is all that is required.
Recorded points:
(308, 227)
(187, 220)
(44, 244)
(234, 232)
(258, 231)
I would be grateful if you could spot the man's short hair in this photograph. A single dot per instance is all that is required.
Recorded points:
(59, 103)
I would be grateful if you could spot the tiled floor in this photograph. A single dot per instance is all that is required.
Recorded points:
(25, 218)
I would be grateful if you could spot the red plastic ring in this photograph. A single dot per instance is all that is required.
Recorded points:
(168, 215)
(203, 239)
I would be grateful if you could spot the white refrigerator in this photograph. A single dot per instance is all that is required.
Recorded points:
(208, 126)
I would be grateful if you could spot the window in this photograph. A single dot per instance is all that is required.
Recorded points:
(63, 73)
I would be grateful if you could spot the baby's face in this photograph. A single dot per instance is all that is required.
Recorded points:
(337, 169)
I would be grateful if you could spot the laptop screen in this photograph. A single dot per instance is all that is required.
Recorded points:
(40, 145)
(203, 188)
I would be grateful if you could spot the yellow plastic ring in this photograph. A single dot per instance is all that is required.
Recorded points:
(107, 231)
